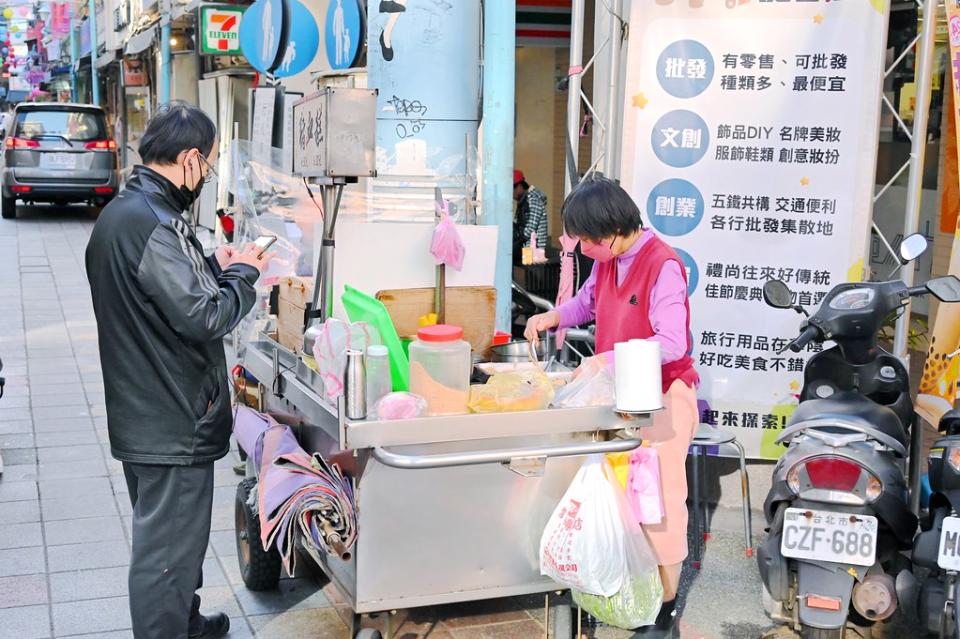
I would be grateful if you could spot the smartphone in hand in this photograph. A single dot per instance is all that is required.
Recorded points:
(264, 242)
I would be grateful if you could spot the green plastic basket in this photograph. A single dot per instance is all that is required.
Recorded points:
(361, 307)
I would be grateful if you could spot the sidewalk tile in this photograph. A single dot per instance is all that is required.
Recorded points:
(79, 506)
(212, 573)
(321, 623)
(15, 456)
(19, 512)
(21, 561)
(52, 413)
(293, 594)
(18, 491)
(25, 590)
(57, 454)
(56, 488)
(513, 630)
(119, 634)
(70, 470)
(219, 599)
(28, 622)
(95, 616)
(20, 472)
(64, 399)
(80, 585)
(18, 440)
(16, 426)
(76, 531)
(58, 425)
(66, 438)
(45, 390)
(20, 535)
(105, 554)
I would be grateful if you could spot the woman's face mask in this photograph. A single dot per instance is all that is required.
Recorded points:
(599, 252)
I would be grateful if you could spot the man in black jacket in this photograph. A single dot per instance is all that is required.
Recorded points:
(162, 311)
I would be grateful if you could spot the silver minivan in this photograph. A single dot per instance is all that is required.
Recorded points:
(59, 153)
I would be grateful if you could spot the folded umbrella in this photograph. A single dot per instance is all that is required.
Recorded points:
(296, 491)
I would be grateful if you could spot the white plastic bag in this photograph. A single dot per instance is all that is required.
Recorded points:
(330, 350)
(582, 546)
(593, 387)
(638, 601)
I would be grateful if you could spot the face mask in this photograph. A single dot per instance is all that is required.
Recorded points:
(598, 252)
(193, 194)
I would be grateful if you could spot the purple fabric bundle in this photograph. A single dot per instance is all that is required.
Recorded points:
(296, 490)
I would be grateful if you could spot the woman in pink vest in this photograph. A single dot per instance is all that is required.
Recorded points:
(638, 289)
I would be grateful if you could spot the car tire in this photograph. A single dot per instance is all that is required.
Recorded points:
(8, 208)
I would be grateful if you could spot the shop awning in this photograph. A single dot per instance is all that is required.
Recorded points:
(106, 58)
(141, 41)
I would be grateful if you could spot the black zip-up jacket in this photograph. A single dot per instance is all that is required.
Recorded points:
(162, 311)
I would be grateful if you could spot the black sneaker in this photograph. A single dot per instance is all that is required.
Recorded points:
(213, 627)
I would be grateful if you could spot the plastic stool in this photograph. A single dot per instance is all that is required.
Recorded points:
(707, 436)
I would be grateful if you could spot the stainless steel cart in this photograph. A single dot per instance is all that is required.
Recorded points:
(450, 509)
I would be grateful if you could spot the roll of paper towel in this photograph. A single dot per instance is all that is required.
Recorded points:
(638, 384)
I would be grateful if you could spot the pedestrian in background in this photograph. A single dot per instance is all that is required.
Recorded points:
(531, 216)
(162, 311)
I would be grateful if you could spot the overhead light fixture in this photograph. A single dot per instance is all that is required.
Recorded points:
(173, 42)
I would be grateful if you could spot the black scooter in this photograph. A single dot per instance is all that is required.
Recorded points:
(937, 547)
(838, 509)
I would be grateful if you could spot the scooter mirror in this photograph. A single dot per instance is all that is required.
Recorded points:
(912, 247)
(777, 294)
(945, 289)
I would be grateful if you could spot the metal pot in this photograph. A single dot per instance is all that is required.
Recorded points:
(519, 351)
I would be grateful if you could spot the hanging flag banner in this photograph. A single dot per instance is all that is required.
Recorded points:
(938, 386)
(750, 146)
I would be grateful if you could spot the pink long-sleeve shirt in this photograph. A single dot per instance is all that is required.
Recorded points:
(668, 312)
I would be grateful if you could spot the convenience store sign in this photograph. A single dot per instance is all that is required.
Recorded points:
(220, 29)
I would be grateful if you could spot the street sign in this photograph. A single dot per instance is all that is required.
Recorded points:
(303, 41)
(220, 29)
(263, 34)
(344, 33)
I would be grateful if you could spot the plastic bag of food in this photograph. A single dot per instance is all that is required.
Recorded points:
(582, 546)
(637, 602)
(643, 486)
(330, 350)
(400, 405)
(446, 246)
(593, 387)
(511, 392)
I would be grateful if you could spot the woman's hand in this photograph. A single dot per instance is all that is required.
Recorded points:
(540, 323)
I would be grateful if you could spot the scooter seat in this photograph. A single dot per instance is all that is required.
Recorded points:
(850, 405)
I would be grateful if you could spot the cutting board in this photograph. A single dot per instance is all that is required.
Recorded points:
(471, 307)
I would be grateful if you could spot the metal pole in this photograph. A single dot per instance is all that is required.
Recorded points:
(573, 93)
(163, 96)
(612, 133)
(499, 71)
(918, 149)
(74, 58)
(94, 76)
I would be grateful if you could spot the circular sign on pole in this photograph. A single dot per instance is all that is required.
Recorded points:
(302, 43)
(263, 34)
(344, 33)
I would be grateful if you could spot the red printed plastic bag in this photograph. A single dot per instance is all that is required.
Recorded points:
(582, 546)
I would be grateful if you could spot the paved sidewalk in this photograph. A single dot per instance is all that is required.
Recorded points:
(65, 514)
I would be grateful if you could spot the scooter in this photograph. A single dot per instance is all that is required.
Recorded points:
(838, 509)
(937, 547)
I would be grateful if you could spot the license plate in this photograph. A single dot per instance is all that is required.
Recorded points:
(829, 536)
(949, 557)
(58, 161)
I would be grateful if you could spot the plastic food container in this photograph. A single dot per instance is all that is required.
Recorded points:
(440, 368)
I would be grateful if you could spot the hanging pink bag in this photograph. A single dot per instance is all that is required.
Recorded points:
(643, 486)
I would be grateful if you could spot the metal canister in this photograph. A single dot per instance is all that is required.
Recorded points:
(355, 386)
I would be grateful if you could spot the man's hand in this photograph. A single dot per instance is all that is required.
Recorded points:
(223, 254)
(250, 255)
(539, 323)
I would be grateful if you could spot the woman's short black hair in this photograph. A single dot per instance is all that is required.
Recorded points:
(599, 208)
(177, 127)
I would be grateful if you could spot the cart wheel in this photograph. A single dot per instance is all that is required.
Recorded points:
(369, 633)
(562, 621)
(260, 569)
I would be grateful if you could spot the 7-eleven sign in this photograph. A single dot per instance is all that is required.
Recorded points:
(220, 29)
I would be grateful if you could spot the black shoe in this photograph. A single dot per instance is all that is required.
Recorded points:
(389, 6)
(212, 627)
(665, 625)
(240, 469)
(387, 51)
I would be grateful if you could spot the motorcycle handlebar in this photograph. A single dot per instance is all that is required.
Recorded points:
(809, 334)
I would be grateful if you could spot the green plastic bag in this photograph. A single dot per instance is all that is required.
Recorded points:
(638, 601)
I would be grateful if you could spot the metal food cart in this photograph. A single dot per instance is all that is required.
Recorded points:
(449, 509)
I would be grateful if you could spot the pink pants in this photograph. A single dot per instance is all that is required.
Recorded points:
(672, 431)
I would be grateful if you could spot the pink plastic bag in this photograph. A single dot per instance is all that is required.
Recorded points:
(643, 486)
(447, 247)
